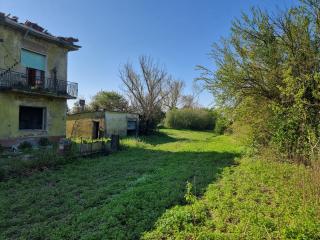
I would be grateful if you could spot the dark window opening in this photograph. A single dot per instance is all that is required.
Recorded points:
(132, 127)
(32, 118)
(35, 78)
(96, 129)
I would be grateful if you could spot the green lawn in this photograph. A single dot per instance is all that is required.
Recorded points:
(114, 197)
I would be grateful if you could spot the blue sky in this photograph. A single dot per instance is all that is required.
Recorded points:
(177, 33)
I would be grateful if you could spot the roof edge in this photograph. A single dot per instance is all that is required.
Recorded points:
(78, 113)
(29, 30)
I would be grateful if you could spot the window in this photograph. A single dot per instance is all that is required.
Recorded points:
(32, 118)
(132, 127)
(36, 65)
(33, 60)
(132, 124)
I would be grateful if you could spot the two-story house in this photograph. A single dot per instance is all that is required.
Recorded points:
(33, 82)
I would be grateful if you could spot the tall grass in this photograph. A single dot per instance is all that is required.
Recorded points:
(256, 200)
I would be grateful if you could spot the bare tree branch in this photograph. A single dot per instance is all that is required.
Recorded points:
(147, 91)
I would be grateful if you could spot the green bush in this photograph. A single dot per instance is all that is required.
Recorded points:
(194, 119)
(25, 145)
(44, 141)
(221, 124)
(148, 124)
(273, 62)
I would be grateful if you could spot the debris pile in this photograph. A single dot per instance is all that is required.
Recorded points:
(69, 39)
(34, 26)
(38, 28)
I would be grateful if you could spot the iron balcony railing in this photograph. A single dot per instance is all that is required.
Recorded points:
(19, 81)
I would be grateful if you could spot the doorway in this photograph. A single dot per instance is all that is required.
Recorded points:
(96, 127)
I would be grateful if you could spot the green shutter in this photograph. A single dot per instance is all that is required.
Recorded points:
(33, 60)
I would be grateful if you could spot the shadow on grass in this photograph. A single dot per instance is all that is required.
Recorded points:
(160, 138)
(118, 197)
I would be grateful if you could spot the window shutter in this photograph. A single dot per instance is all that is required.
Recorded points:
(33, 60)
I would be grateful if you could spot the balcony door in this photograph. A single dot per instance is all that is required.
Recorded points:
(35, 65)
(35, 78)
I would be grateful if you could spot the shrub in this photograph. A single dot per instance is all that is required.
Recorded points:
(44, 141)
(25, 145)
(195, 119)
(257, 63)
(148, 124)
(221, 124)
(46, 159)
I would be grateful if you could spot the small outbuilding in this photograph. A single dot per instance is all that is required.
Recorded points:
(102, 124)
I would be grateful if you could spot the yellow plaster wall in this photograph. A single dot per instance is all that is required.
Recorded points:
(81, 124)
(14, 40)
(83, 127)
(56, 58)
(9, 115)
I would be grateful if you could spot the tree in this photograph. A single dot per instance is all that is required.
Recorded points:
(188, 101)
(146, 91)
(191, 100)
(76, 108)
(109, 101)
(174, 94)
(272, 64)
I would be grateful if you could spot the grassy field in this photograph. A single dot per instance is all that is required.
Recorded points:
(114, 197)
(254, 200)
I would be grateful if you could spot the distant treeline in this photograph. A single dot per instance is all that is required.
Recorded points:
(196, 119)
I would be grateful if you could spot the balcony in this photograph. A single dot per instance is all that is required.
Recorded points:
(15, 81)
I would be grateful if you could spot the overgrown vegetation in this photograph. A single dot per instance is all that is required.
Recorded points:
(198, 119)
(267, 84)
(43, 142)
(268, 74)
(31, 161)
(115, 197)
(25, 145)
(256, 200)
(222, 123)
(188, 118)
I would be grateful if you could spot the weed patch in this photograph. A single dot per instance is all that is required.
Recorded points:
(255, 200)
(119, 196)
